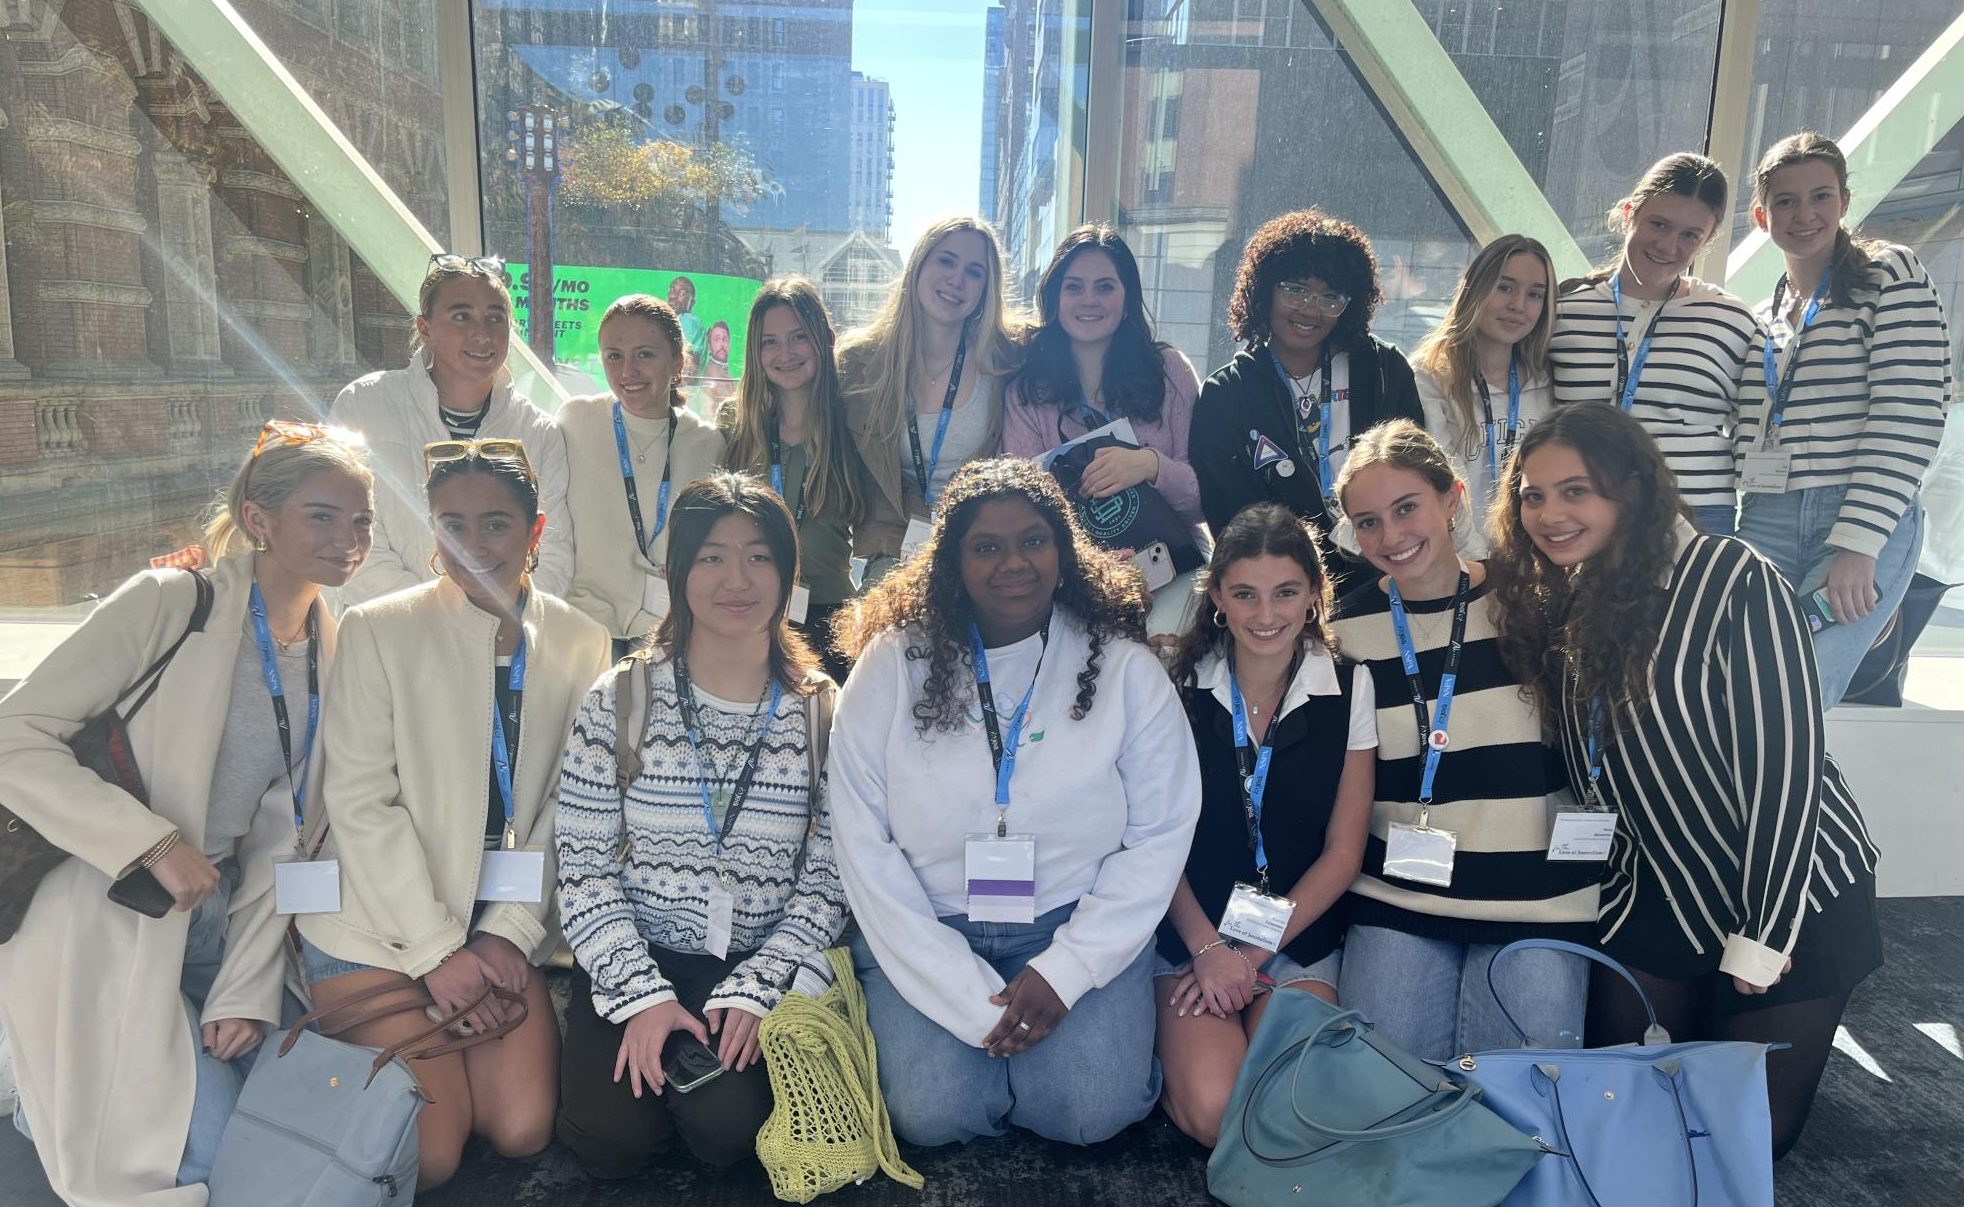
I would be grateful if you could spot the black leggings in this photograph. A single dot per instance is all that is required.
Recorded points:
(1689, 1011)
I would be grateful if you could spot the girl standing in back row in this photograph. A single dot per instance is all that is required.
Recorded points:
(1644, 335)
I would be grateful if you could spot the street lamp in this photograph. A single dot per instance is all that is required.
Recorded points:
(532, 138)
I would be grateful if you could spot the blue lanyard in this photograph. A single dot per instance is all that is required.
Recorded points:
(1629, 369)
(269, 666)
(1326, 411)
(1779, 385)
(1432, 728)
(1595, 751)
(1513, 416)
(643, 541)
(500, 743)
(1002, 752)
(685, 699)
(924, 468)
(1254, 779)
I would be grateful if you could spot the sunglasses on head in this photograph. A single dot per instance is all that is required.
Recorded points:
(495, 449)
(488, 265)
(287, 433)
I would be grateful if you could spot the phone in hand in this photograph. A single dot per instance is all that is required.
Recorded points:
(1155, 561)
(1819, 612)
(687, 1062)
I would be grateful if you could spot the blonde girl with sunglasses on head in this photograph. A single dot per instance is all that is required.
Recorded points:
(632, 450)
(1483, 376)
(124, 1027)
(455, 387)
(442, 777)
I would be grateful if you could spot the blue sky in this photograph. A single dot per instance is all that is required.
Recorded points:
(930, 51)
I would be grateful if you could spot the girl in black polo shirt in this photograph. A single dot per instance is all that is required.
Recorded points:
(1287, 739)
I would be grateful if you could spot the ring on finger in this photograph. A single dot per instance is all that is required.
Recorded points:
(1023, 1026)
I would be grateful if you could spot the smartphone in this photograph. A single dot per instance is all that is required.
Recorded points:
(687, 1062)
(1155, 561)
(1819, 613)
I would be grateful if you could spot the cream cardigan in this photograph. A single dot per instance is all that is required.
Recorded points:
(89, 990)
(408, 764)
(609, 574)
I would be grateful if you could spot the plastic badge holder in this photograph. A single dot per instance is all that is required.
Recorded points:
(1420, 853)
(1255, 917)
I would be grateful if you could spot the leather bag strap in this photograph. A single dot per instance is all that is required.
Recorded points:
(1653, 1034)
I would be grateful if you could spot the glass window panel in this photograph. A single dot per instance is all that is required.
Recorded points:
(164, 286)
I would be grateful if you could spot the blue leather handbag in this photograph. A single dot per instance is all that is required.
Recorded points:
(1325, 1111)
(1632, 1126)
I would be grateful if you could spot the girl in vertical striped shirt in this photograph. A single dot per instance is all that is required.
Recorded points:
(1857, 385)
(1680, 354)
(1677, 666)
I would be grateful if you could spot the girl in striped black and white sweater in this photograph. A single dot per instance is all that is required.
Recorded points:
(691, 898)
(1740, 887)
(1680, 354)
(1857, 389)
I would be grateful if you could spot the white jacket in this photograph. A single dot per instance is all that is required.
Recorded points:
(408, 760)
(397, 411)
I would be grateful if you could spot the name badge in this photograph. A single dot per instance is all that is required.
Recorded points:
(1765, 471)
(1253, 916)
(917, 533)
(1581, 837)
(720, 906)
(1420, 853)
(307, 888)
(1002, 878)
(800, 603)
(654, 595)
(512, 876)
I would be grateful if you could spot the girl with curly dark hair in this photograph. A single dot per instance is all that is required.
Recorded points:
(1014, 791)
(1287, 735)
(1276, 422)
(1679, 673)
(1475, 765)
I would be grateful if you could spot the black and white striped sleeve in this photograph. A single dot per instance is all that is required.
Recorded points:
(1773, 692)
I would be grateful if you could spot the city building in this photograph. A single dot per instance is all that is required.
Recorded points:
(992, 94)
(853, 270)
(869, 193)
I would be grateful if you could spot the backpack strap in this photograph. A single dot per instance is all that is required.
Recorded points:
(819, 705)
(632, 687)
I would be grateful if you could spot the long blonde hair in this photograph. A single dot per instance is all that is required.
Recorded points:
(1448, 352)
(876, 359)
(270, 476)
(748, 419)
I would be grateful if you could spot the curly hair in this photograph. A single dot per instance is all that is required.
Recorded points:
(925, 596)
(1293, 247)
(1594, 627)
(1260, 529)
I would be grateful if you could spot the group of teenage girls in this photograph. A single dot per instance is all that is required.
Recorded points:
(1544, 645)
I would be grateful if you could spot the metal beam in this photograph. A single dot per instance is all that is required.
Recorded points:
(1104, 109)
(1725, 130)
(456, 80)
(339, 182)
(1446, 125)
(1882, 147)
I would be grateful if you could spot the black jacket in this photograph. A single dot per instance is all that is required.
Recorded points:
(1245, 399)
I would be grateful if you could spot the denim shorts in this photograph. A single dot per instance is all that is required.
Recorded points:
(320, 966)
(1280, 968)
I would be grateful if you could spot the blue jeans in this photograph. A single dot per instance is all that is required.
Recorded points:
(1086, 1081)
(1792, 531)
(1716, 519)
(216, 1093)
(1430, 996)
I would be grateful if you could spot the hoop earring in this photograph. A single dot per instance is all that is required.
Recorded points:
(259, 544)
(532, 562)
(436, 567)
(1452, 522)
(1220, 619)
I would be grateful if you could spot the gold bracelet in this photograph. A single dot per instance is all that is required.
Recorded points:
(157, 852)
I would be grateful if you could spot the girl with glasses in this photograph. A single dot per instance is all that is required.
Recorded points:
(454, 700)
(1014, 796)
(228, 751)
(924, 381)
(1276, 422)
(1645, 336)
(1483, 375)
(455, 386)
(631, 452)
(1858, 380)
(787, 426)
(694, 891)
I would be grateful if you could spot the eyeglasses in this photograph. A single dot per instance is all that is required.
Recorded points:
(488, 265)
(287, 433)
(496, 449)
(1298, 295)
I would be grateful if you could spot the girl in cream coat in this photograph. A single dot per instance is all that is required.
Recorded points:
(616, 583)
(124, 1101)
(415, 817)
